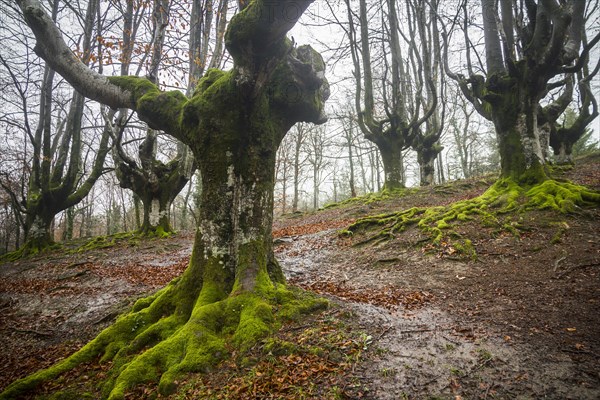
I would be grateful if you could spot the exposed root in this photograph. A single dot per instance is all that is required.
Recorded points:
(173, 332)
(501, 198)
(29, 249)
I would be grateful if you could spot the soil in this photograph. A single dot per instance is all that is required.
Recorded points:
(521, 320)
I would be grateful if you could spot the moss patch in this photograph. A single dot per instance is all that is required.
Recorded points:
(502, 198)
(371, 198)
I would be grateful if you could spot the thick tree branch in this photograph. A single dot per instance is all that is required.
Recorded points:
(258, 32)
(160, 110)
(52, 48)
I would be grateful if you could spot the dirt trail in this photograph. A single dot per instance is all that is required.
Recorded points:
(441, 347)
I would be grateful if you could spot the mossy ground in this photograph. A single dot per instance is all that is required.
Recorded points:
(370, 198)
(496, 207)
(529, 289)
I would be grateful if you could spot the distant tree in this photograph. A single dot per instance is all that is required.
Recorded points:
(57, 180)
(586, 144)
(316, 148)
(157, 183)
(283, 169)
(298, 136)
(526, 46)
(349, 136)
(405, 114)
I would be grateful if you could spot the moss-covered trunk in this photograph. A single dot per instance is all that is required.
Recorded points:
(38, 234)
(38, 224)
(156, 215)
(563, 153)
(393, 163)
(234, 234)
(520, 152)
(514, 112)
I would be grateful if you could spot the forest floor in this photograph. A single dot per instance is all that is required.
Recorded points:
(407, 319)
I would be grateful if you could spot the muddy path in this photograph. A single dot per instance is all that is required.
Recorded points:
(445, 328)
(522, 320)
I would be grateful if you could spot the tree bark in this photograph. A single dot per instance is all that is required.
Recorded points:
(393, 162)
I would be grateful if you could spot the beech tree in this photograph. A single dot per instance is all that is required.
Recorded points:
(57, 180)
(562, 137)
(233, 124)
(157, 183)
(527, 44)
(404, 114)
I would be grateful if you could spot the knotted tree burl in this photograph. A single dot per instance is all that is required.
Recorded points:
(233, 290)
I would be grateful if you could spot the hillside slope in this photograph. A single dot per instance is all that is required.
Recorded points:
(518, 317)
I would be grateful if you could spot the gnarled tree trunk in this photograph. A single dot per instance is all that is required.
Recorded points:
(233, 124)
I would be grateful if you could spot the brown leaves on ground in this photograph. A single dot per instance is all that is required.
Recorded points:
(307, 229)
(388, 297)
(318, 364)
(137, 273)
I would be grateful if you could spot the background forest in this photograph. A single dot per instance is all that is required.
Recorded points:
(87, 170)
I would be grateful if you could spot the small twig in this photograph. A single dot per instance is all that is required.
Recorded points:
(73, 275)
(388, 260)
(426, 330)
(77, 264)
(297, 328)
(108, 316)
(594, 264)
(558, 262)
(590, 353)
(386, 330)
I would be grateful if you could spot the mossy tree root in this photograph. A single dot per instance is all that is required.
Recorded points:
(501, 198)
(157, 342)
(29, 249)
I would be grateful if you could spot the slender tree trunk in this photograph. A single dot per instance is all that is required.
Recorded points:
(315, 189)
(296, 178)
(184, 210)
(69, 221)
(377, 163)
(138, 216)
(440, 169)
(351, 165)
(284, 183)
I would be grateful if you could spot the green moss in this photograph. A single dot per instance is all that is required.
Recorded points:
(29, 249)
(103, 242)
(279, 347)
(564, 197)
(466, 249)
(134, 84)
(503, 197)
(152, 343)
